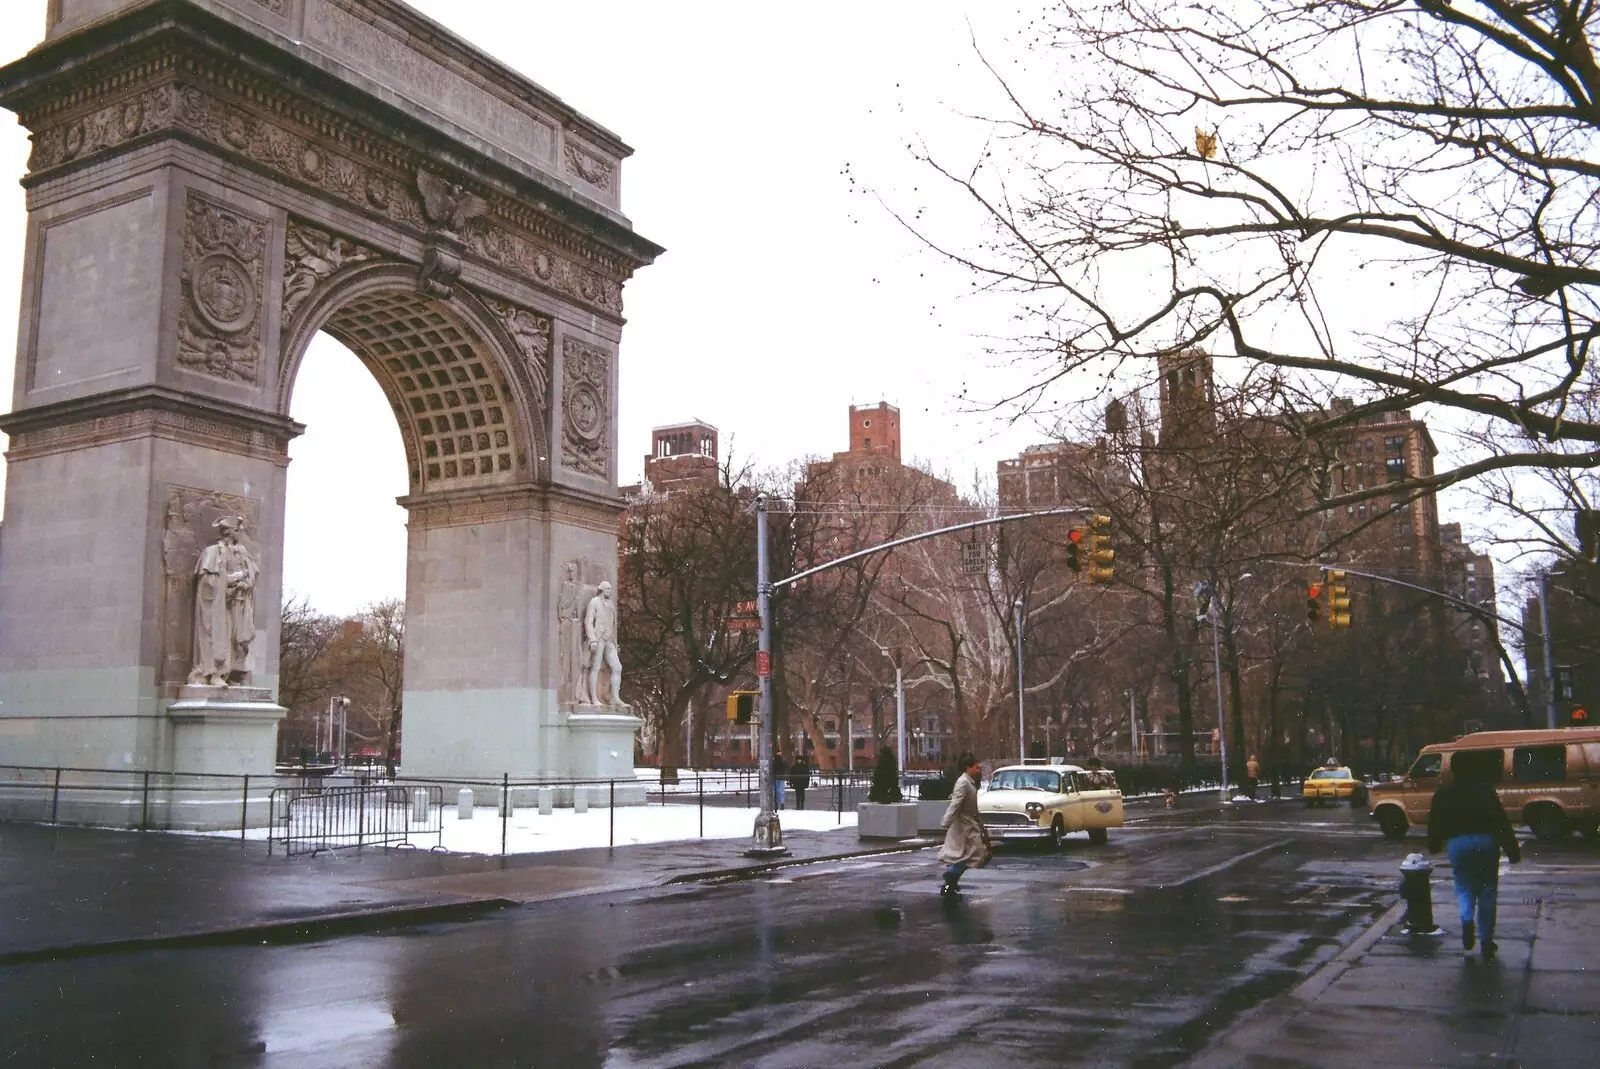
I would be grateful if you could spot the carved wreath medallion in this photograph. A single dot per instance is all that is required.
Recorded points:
(219, 331)
(586, 408)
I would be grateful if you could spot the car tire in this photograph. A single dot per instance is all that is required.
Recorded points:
(1057, 830)
(1097, 836)
(1392, 823)
(1548, 823)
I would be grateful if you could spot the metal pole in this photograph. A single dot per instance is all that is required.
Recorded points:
(505, 808)
(611, 812)
(1222, 725)
(768, 838)
(850, 744)
(1022, 745)
(1549, 651)
(702, 784)
(900, 716)
(144, 804)
(1133, 724)
(244, 807)
(55, 797)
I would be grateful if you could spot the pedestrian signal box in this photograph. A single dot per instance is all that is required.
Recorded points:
(742, 705)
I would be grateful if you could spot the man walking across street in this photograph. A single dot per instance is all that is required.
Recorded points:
(780, 774)
(1469, 821)
(966, 842)
(800, 779)
(1252, 775)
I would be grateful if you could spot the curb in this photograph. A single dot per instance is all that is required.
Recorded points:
(304, 929)
(751, 871)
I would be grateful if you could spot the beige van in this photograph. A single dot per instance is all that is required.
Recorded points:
(1549, 780)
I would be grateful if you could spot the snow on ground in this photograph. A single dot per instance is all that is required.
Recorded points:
(527, 832)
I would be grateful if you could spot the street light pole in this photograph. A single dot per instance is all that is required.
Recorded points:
(899, 712)
(1552, 720)
(1222, 723)
(1022, 744)
(768, 830)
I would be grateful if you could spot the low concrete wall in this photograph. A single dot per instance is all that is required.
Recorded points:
(896, 821)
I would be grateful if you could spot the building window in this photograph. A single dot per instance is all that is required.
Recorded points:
(1397, 467)
(1367, 445)
(1472, 566)
(866, 423)
(1394, 445)
(1401, 528)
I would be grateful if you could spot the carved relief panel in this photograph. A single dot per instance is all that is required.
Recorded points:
(189, 528)
(219, 327)
(586, 409)
(531, 332)
(580, 578)
(310, 257)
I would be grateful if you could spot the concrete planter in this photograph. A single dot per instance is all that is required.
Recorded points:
(895, 821)
(929, 814)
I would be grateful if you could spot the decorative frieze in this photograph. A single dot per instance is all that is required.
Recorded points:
(427, 513)
(311, 256)
(144, 423)
(219, 326)
(104, 128)
(586, 409)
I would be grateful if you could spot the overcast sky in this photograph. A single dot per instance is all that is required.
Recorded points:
(770, 145)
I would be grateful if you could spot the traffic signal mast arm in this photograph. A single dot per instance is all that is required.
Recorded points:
(1076, 510)
(1476, 610)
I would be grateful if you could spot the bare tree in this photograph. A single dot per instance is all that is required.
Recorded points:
(1398, 195)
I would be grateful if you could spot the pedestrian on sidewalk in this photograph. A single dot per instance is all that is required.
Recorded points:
(800, 779)
(780, 774)
(1468, 820)
(1252, 775)
(966, 842)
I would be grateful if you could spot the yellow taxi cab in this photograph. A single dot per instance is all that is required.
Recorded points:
(1330, 783)
(1046, 802)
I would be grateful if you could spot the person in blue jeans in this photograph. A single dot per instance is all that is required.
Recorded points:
(1468, 820)
(780, 770)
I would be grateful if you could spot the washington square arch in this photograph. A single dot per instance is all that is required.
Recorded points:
(212, 183)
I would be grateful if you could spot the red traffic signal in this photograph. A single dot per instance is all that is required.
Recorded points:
(1075, 549)
(1580, 717)
(1313, 602)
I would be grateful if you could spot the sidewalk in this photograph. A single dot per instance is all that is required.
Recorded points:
(66, 890)
(1389, 1001)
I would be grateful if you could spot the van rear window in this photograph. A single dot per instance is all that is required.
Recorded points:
(1539, 764)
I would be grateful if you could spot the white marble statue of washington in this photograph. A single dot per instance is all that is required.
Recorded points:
(572, 663)
(600, 630)
(224, 609)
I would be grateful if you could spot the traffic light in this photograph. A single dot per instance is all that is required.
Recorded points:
(1075, 549)
(742, 705)
(1578, 718)
(1338, 601)
(1313, 603)
(1102, 558)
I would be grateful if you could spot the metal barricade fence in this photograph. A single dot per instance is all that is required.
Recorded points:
(309, 820)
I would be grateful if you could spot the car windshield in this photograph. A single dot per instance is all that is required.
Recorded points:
(1331, 773)
(1026, 779)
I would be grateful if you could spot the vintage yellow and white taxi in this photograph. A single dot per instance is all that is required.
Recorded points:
(1050, 801)
(1330, 783)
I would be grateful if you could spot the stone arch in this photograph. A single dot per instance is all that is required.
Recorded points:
(466, 378)
(218, 181)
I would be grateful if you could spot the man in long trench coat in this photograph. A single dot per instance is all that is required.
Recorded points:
(966, 843)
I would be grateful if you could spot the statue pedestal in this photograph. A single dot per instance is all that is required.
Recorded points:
(600, 747)
(225, 733)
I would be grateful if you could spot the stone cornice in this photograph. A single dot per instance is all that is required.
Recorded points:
(90, 92)
(558, 504)
(146, 412)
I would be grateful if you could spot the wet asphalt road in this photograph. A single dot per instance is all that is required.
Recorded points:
(1134, 953)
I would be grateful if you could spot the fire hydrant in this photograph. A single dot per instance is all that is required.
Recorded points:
(1417, 891)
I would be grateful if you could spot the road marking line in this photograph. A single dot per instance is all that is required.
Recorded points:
(1223, 866)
